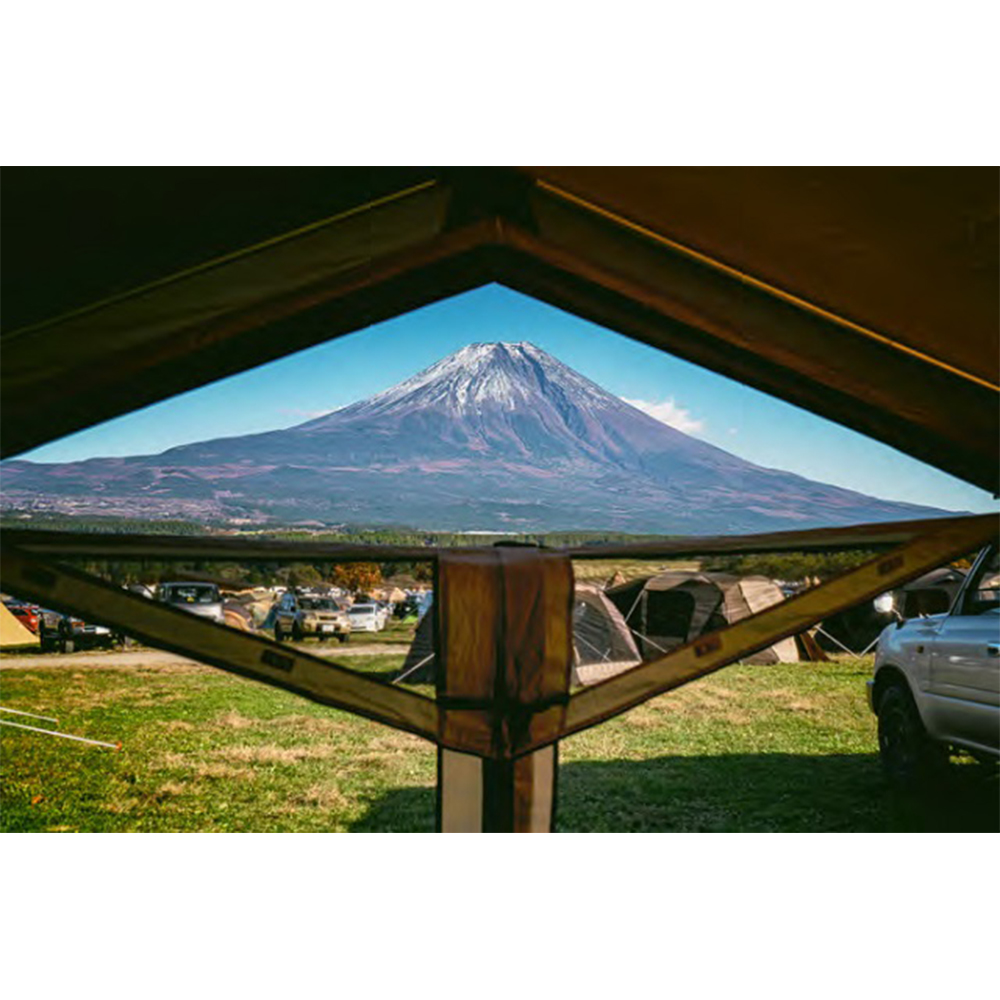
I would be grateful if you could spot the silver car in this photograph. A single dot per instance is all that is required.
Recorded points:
(364, 618)
(937, 680)
(202, 599)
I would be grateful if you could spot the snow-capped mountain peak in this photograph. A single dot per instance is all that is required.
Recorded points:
(496, 435)
(497, 375)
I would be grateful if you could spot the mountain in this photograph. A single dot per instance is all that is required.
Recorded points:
(497, 436)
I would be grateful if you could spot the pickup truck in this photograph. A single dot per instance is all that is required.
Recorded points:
(936, 684)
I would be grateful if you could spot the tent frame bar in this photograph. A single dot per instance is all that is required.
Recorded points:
(469, 728)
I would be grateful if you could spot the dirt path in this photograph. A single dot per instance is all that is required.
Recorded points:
(159, 658)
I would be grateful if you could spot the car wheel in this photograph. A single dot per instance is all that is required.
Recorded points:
(909, 757)
(343, 637)
(66, 646)
(296, 633)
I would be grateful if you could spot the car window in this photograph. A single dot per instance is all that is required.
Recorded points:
(193, 594)
(983, 594)
(317, 604)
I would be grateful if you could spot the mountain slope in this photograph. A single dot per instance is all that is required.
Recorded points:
(494, 436)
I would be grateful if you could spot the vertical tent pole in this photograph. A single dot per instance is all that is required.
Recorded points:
(504, 640)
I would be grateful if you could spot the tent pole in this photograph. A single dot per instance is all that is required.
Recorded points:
(504, 632)
(476, 795)
(850, 652)
(413, 669)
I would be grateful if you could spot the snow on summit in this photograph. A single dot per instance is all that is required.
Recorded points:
(501, 375)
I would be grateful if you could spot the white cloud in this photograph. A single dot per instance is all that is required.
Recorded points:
(668, 412)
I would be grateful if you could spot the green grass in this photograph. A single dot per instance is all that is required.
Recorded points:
(602, 570)
(395, 633)
(786, 747)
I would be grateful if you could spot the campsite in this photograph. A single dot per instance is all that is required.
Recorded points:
(529, 678)
(779, 742)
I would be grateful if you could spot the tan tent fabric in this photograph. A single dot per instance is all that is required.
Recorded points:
(12, 632)
(760, 593)
(238, 619)
(848, 239)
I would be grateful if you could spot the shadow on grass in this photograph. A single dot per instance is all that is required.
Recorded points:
(737, 793)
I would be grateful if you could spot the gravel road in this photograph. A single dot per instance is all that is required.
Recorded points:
(159, 658)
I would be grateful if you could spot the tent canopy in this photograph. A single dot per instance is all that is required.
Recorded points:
(867, 295)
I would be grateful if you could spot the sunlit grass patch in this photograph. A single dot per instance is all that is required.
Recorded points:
(783, 747)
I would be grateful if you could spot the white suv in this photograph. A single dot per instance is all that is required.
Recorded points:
(937, 681)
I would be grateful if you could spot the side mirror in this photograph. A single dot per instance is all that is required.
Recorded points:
(885, 604)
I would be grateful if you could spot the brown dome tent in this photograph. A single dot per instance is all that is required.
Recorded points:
(670, 609)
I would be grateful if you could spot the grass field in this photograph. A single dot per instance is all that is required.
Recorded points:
(602, 570)
(785, 747)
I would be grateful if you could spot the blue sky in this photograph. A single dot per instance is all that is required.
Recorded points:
(741, 420)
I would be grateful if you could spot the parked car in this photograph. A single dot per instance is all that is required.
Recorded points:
(364, 618)
(67, 633)
(202, 599)
(299, 617)
(936, 683)
(26, 614)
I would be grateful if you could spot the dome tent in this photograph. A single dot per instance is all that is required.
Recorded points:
(674, 608)
(602, 643)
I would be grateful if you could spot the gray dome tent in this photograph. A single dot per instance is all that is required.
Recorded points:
(673, 608)
(602, 643)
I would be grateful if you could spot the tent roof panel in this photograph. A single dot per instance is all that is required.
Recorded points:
(909, 251)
